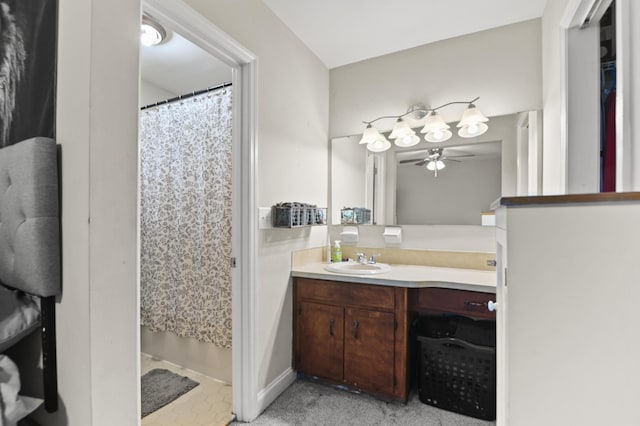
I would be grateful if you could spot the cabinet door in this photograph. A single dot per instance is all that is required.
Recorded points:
(369, 350)
(321, 340)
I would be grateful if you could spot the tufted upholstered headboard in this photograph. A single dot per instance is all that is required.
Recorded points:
(29, 217)
(30, 248)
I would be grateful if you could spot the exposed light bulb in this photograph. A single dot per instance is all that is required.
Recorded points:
(472, 130)
(438, 135)
(379, 145)
(406, 141)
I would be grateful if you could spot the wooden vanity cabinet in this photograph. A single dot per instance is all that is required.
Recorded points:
(321, 340)
(352, 334)
(471, 304)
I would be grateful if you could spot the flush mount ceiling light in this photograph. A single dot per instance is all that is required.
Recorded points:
(151, 32)
(435, 129)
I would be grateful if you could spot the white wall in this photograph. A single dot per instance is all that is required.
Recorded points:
(553, 103)
(500, 65)
(96, 124)
(293, 114)
(150, 93)
(572, 300)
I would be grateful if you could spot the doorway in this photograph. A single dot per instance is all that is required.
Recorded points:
(185, 223)
(201, 32)
(185, 133)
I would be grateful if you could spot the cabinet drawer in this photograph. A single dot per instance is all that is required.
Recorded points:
(462, 302)
(372, 296)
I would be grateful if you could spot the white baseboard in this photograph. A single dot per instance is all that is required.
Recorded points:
(267, 395)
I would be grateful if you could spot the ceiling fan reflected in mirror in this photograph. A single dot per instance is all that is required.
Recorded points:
(435, 160)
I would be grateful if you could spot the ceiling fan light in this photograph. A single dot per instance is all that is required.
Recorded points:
(473, 130)
(431, 166)
(440, 165)
(472, 115)
(379, 145)
(407, 141)
(439, 135)
(401, 129)
(370, 134)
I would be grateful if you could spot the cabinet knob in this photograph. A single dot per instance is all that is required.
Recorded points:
(492, 306)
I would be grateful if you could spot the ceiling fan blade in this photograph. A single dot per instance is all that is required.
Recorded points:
(450, 159)
(465, 155)
(423, 162)
(415, 160)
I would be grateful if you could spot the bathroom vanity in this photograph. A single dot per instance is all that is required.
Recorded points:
(352, 334)
(354, 330)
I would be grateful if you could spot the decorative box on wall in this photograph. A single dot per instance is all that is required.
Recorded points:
(295, 214)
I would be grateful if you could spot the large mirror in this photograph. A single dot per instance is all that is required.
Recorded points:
(400, 185)
(441, 186)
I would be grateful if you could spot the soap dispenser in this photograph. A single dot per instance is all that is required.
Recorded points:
(336, 252)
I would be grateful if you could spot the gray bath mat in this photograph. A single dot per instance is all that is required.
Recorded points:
(159, 387)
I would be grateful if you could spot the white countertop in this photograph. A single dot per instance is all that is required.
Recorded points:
(410, 276)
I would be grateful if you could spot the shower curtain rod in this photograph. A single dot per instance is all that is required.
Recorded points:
(187, 95)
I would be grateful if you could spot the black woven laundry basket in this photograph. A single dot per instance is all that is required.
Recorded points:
(458, 376)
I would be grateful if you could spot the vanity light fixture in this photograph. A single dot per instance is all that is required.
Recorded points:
(435, 129)
(374, 140)
(403, 134)
(472, 123)
(151, 32)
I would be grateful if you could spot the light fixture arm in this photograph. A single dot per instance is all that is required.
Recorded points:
(425, 110)
(456, 102)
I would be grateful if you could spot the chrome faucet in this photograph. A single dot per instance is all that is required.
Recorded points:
(362, 258)
(372, 259)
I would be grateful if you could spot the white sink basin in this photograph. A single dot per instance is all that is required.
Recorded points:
(355, 268)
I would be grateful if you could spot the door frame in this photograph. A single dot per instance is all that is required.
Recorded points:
(574, 16)
(202, 32)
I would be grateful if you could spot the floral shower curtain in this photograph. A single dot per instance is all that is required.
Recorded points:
(185, 242)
